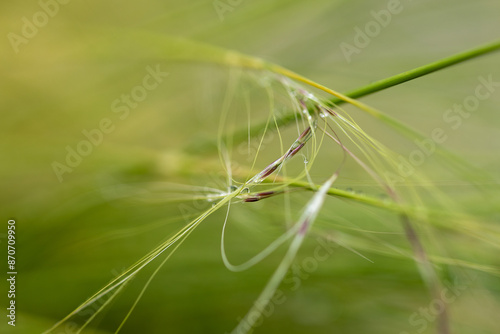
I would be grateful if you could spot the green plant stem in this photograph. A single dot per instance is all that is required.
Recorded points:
(420, 71)
(376, 87)
(369, 200)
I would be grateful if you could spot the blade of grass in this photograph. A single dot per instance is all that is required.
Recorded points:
(420, 71)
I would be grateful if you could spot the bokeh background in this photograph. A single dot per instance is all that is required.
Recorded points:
(76, 235)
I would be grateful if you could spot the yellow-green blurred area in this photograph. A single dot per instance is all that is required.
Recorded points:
(79, 227)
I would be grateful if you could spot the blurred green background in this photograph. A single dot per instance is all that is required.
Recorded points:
(76, 235)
